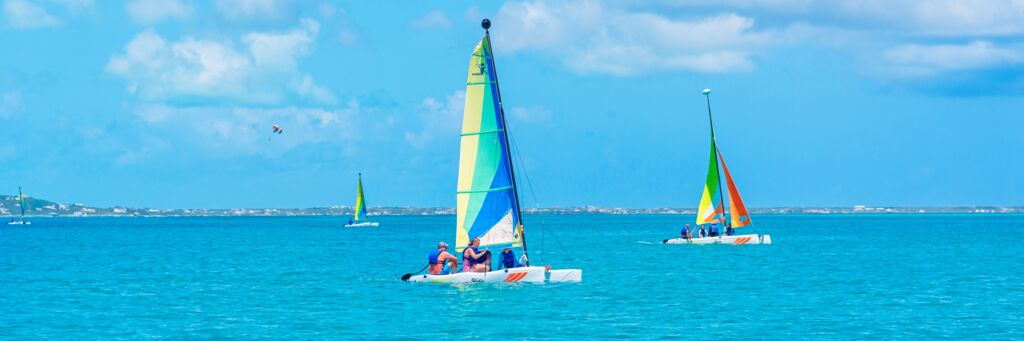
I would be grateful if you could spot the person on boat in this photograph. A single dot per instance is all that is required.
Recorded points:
(713, 231)
(728, 229)
(702, 232)
(686, 234)
(440, 262)
(508, 259)
(473, 260)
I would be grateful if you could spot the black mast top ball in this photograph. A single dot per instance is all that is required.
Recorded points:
(486, 24)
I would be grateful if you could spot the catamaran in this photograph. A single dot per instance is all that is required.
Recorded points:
(711, 209)
(487, 196)
(360, 219)
(21, 220)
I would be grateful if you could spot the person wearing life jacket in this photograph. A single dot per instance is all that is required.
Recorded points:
(702, 233)
(685, 233)
(508, 259)
(436, 261)
(728, 229)
(713, 231)
(473, 260)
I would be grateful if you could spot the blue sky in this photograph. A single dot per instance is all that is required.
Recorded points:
(170, 103)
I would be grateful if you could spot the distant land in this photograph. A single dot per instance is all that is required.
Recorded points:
(9, 206)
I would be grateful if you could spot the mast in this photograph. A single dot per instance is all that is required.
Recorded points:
(486, 24)
(714, 146)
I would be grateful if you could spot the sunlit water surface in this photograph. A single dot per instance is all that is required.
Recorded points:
(826, 276)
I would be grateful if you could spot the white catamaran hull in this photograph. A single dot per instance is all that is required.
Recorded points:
(366, 224)
(20, 223)
(743, 239)
(530, 274)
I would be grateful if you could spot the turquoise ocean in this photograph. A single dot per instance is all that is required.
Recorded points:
(826, 277)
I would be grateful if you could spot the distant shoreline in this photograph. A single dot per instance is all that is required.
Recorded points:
(10, 207)
(82, 211)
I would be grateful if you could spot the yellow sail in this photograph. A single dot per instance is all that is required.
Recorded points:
(360, 202)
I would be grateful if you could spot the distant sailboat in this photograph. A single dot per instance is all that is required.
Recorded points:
(360, 218)
(487, 197)
(712, 203)
(21, 220)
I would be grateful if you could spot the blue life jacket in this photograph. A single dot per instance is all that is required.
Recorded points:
(714, 229)
(508, 260)
(469, 261)
(432, 258)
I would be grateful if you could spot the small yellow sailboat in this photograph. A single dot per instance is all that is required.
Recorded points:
(360, 219)
(21, 220)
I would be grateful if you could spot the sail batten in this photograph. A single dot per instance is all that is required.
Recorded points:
(485, 190)
(482, 132)
(486, 204)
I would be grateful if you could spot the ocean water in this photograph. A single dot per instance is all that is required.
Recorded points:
(826, 277)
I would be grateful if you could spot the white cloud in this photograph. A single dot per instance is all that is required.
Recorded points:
(150, 12)
(279, 50)
(592, 38)
(266, 72)
(911, 17)
(77, 6)
(434, 19)
(929, 60)
(531, 114)
(896, 38)
(236, 130)
(473, 14)
(10, 102)
(944, 17)
(25, 14)
(439, 118)
(252, 9)
(347, 38)
(328, 11)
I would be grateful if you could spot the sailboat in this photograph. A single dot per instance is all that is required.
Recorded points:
(359, 219)
(487, 195)
(21, 220)
(712, 202)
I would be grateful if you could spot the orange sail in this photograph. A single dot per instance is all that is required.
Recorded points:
(736, 208)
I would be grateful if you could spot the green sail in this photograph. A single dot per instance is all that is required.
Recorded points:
(710, 209)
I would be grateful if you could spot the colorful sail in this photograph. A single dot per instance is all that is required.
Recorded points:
(711, 207)
(22, 198)
(737, 211)
(486, 204)
(360, 201)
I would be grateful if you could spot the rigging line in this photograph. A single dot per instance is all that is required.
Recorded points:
(529, 185)
(514, 147)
